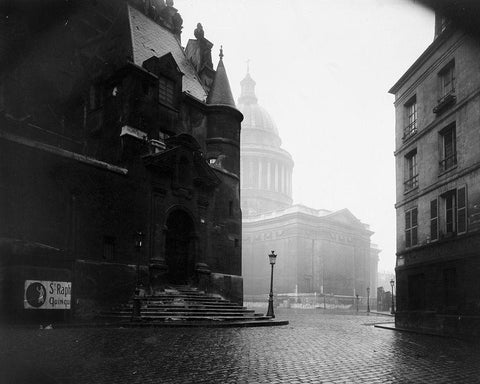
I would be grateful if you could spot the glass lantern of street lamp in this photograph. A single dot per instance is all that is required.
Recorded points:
(272, 256)
(392, 283)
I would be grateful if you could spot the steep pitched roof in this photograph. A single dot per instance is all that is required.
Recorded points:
(220, 93)
(150, 39)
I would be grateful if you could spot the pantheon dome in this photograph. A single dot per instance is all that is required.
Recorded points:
(266, 168)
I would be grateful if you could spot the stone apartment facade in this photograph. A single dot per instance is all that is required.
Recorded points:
(437, 141)
(119, 158)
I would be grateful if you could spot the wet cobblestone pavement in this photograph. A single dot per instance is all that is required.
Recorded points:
(314, 348)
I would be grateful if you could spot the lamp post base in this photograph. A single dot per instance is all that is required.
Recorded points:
(270, 308)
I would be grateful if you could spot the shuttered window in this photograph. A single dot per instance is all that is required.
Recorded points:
(434, 220)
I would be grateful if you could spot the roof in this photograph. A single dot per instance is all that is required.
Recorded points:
(220, 93)
(420, 61)
(342, 217)
(151, 39)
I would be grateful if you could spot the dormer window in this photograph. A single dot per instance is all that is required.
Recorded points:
(166, 90)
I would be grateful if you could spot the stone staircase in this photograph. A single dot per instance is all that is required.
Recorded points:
(183, 305)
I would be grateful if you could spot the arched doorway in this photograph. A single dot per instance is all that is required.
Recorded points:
(180, 247)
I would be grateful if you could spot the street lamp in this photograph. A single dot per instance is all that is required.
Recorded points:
(357, 302)
(272, 257)
(136, 298)
(392, 283)
(368, 299)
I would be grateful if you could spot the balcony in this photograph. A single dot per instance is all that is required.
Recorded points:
(411, 183)
(448, 162)
(445, 102)
(410, 130)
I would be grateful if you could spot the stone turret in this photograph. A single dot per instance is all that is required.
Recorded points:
(220, 93)
(223, 137)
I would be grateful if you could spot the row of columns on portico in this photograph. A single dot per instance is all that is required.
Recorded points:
(265, 174)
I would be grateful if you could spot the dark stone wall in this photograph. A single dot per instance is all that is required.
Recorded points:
(76, 181)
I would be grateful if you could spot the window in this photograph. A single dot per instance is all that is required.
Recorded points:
(434, 220)
(450, 208)
(411, 171)
(411, 227)
(448, 148)
(166, 90)
(455, 211)
(447, 81)
(411, 118)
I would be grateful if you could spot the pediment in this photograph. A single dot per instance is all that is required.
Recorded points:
(345, 217)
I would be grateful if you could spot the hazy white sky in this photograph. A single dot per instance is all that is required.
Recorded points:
(323, 70)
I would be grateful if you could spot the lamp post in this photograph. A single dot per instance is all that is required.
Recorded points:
(136, 298)
(392, 283)
(357, 301)
(272, 257)
(368, 299)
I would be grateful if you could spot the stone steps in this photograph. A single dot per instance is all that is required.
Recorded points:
(186, 305)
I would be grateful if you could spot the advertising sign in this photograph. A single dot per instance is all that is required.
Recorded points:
(47, 294)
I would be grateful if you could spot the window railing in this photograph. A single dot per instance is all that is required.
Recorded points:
(446, 95)
(448, 162)
(410, 130)
(411, 183)
(444, 102)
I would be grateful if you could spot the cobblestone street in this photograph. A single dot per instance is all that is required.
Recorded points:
(314, 348)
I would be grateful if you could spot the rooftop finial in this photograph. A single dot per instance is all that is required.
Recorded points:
(248, 66)
(221, 52)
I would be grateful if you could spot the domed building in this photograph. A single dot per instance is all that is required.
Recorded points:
(265, 166)
(319, 251)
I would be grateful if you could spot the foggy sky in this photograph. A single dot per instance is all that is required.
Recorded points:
(323, 70)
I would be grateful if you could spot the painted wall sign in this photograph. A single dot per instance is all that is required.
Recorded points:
(47, 294)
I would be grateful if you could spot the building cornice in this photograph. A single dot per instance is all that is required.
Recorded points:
(431, 49)
(438, 184)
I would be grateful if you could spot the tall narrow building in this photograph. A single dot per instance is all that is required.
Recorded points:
(438, 191)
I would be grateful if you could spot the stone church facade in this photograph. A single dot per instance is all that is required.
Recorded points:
(119, 157)
(318, 250)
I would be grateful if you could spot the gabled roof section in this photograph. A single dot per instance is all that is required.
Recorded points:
(150, 39)
(345, 217)
(220, 93)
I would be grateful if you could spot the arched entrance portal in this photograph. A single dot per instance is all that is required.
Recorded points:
(180, 247)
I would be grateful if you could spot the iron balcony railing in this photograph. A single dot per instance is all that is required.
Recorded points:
(410, 130)
(411, 183)
(448, 162)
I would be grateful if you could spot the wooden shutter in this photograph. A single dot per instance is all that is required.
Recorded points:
(462, 209)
